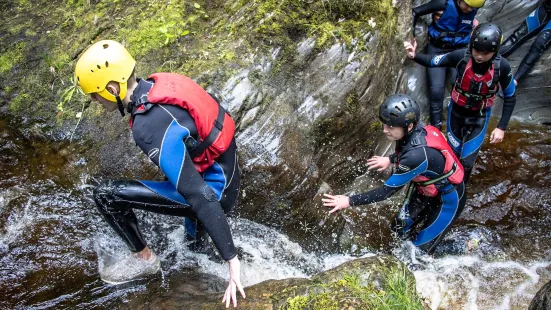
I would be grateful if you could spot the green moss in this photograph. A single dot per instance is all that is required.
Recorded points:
(396, 292)
(352, 102)
(298, 303)
(17, 103)
(11, 57)
(209, 41)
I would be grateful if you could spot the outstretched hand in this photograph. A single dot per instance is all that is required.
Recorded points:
(235, 283)
(337, 202)
(497, 135)
(410, 47)
(378, 162)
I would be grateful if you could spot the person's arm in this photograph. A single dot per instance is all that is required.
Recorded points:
(444, 60)
(427, 8)
(507, 83)
(205, 205)
(411, 165)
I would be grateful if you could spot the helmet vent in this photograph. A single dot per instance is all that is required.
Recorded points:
(98, 67)
(404, 104)
(78, 78)
(106, 64)
(397, 108)
(105, 46)
(91, 70)
(394, 115)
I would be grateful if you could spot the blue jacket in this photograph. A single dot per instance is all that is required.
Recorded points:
(454, 27)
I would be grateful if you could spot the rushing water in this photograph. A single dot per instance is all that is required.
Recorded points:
(52, 240)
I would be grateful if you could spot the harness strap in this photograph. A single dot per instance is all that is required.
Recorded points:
(439, 178)
(214, 132)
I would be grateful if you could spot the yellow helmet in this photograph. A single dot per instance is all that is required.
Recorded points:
(475, 3)
(101, 63)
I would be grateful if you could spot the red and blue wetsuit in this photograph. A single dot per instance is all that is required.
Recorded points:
(166, 133)
(537, 23)
(467, 125)
(436, 212)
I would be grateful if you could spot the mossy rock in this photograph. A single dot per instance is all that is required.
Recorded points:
(379, 282)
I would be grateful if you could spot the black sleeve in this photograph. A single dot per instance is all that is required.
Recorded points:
(412, 163)
(507, 83)
(374, 195)
(431, 7)
(450, 59)
(427, 8)
(207, 208)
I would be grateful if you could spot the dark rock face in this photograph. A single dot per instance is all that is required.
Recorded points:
(542, 300)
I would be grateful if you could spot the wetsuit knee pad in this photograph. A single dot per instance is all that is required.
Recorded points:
(104, 197)
(209, 193)
(538, 47)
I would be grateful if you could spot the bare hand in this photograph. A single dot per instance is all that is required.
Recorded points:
(235, 283)
(338, 202)
(378, 162)
(410, 47)
(497, 135)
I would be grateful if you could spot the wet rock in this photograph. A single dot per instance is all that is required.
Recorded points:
(542, 300)
(193, 293)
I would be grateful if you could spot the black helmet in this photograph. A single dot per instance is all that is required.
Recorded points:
(486, 37)
(399, 111)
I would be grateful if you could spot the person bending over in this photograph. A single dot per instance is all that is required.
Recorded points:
(424, 160)
(185, 132)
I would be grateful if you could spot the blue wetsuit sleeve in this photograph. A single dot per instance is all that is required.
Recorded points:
(444, 60)
(412, 163)
(507, 83)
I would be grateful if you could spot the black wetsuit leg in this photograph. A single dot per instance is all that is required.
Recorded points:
(440, 208)
(437, 85)
(426, 220)
(117, 199)
(531, 26)
(466, 130)
(536, 50)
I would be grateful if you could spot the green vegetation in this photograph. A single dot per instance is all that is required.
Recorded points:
(207, 40)
(397, 292)
(11, 57)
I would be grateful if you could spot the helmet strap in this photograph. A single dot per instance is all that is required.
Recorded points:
(119, 105)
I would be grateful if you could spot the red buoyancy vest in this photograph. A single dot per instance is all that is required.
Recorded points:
(179, 90)
(485, 87)
(436, 140)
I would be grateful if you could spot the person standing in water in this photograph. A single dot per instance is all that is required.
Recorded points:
(185, 132)
(422, 157)
(481, 71)
(453, 21)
